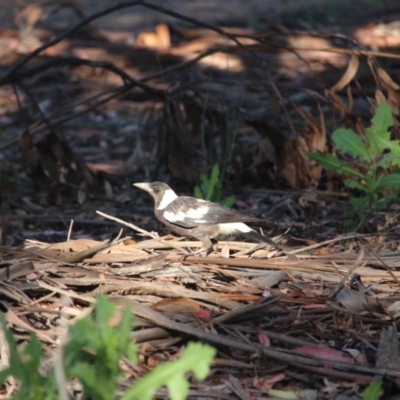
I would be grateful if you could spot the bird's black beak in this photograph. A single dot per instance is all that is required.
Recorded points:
(143, 186)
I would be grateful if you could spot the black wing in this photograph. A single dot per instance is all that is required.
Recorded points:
(189, 212)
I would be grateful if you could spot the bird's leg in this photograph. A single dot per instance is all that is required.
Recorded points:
(214, 244)
(206, 247)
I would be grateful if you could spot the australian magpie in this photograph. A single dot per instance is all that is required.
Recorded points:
(200, 219)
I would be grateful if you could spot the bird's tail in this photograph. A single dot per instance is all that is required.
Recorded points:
(257, 236)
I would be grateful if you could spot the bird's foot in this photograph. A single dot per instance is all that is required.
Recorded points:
(207, 247)
(202, 252)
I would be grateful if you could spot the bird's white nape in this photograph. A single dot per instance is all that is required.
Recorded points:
(168, 197)
(234, 227)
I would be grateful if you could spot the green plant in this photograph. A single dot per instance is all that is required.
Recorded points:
(374, 160)
(373, 391)
(92, 355)
(196, 358)
(95, 348)
(211, 188)
(25, 367)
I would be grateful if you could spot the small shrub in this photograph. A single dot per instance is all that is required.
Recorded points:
(373, 171)
(92, 356)
(211, 188)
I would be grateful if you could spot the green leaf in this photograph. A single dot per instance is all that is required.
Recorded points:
(383, 118)
(34, 352)
(380, 141)
(196, 358)
(198, 192)
(25, 368)
(332, 163)
(91, 355)
(378, 135)
(385, 161)
(348, 141)
(228, 201)
(16, 367)
(391, 181)
(178, 387)
(373, 391)
(361, 203)
(103, 310)
(124, 331)
(204, 177)
(87, 376)
(132, 352)
(352, 184)
(213, 182)
(214, 178)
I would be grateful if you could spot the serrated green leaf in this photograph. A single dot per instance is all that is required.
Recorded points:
(373, 391)
(332, 163)
(34, 352)
(348, 141)
(178, 387)
(25, 368)
(380, 141)
(378, 135)
(196, 358)
(132, 352)
(103, 309)
(124, 330)
(383, 118)
(391, 181)
(16, 367)
(199, 357)
(396, 160)
(86, 374)
(91, 355)
(385, 161)
(352, 184)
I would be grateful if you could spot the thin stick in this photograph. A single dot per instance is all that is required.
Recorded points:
(69, 235)
(143, 232)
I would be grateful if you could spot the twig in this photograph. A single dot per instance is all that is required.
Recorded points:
(143, 232)
(20, 63)
(37, 127)
(334, 240)
(276, 354)
(69, 235)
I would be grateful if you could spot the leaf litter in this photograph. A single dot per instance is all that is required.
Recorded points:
(326, 317)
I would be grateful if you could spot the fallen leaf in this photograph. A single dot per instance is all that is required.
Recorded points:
(179, 306)
(225, 250)
(264, 339)
(325, 353)
(265, 384)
